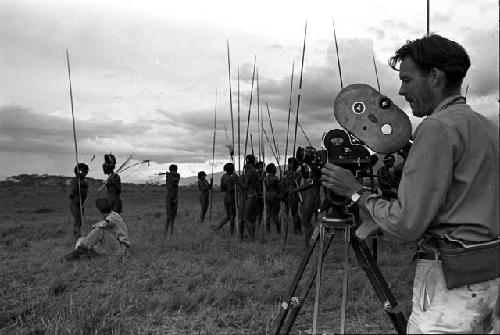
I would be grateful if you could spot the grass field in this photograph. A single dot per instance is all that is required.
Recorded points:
(197, 282)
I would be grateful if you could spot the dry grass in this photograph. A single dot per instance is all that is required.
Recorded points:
(196, 282)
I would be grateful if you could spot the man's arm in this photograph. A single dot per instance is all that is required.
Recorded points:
(101, 224)
(427, 176)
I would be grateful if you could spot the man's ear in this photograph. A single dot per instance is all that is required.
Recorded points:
(437, 77)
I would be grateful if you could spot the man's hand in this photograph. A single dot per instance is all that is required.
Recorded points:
(339, 180)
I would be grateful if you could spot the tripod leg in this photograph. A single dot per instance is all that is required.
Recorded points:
(345, 284)
(286, 303)
(379, 283)
(318, 276)
(374, 248)
(296, 307)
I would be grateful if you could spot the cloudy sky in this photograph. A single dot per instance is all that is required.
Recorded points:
(145, 73)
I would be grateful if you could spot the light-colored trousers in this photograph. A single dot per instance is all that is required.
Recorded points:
(102, 242)
(464, 310)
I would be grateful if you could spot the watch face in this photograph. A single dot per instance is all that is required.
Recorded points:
(355, 197)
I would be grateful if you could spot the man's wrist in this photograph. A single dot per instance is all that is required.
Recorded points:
(356, 196)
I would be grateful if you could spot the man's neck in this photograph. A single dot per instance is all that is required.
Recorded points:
(443, 95)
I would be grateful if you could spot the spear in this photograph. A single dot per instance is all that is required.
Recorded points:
(376, 72)
(213, 159)
(236, 194)
(284, 208)
(125, 163)
(74, 138)
(131, 166)
(289, 111)
(250, 106)
(276, 148)
(259, 117)
(239, 146)
(300, 89)
(302, 130)
(272, 149)
(135, 170)
(428, 14)
(228, 146)
(230, 96)
(338, 58)
(261, 150)
(251, 144)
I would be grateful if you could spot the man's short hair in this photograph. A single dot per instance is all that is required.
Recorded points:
(172, 168)
(250, 159)
(435, 51)
(103, 205)
(271, 168)
(229, 167)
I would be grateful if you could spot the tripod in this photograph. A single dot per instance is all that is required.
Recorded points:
(337, 219)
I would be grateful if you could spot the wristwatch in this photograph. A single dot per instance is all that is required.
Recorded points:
(357, 195)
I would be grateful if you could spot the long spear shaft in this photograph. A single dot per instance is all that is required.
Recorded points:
(302, 130)
(251, 144)
(259, 118)
(300, 89)
(213, 158)
(338, 58)
(239, 146)
(250, 106)
(230, 95)
(74, 138)
(272, 149)
(289, 112)
(376, 72)
(428, 15)
(276, 148)
(236, 194)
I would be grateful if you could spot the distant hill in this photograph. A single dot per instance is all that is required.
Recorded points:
(49, 180)
(45, 180)
(194, 179)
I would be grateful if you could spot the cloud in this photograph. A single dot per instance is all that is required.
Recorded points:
(482, 77)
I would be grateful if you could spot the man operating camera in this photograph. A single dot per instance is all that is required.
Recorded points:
(448, 196)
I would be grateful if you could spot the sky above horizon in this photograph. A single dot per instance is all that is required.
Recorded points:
(145, 73)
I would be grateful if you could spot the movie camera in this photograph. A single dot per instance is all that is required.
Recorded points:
(343, 149)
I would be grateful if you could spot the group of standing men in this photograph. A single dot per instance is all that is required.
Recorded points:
(255, 190)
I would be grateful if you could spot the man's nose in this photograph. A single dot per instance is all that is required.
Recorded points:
(402, 91)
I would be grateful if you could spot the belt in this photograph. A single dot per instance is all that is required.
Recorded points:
(429, 255)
